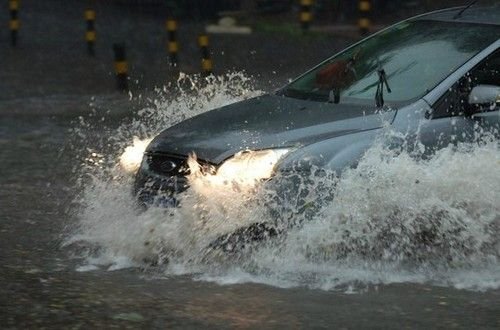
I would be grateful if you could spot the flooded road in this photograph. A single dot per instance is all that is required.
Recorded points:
(47, 283)
(77, 252)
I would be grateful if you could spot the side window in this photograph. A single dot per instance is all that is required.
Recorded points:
(454, 102)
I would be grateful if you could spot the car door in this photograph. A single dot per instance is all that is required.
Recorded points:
(487, 115)
(453, 120)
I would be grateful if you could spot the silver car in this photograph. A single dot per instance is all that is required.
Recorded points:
(435, 78)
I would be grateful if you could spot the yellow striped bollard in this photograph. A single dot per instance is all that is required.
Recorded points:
(121, 67)
(306, 14)
(90, 34)
(14, 21)
(364, 22)
(173, 45)
(206, 62)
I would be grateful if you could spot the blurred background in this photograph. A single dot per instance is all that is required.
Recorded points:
(272, 41)
(325, 9)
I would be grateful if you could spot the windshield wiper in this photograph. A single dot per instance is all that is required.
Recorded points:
(379, 94)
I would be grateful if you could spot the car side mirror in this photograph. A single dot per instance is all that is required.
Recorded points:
(483, 96)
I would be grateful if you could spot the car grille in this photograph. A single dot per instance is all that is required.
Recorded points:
(170, 179)
(168, 165)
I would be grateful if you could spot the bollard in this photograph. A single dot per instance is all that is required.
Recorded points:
(173, 46)
(90, 34)
(14, 21)
(206, 62)
(305, 14)
(364, 22)
(121, 66)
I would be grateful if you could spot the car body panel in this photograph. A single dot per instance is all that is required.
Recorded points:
(333, 154)
(268, 121)
(326, 135)
(345, 151)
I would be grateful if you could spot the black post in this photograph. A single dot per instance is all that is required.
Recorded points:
(173, 46)
(206, 62)
(305, 14)
(121, 68)
(90, 34)
(364, 22)
(14, 21)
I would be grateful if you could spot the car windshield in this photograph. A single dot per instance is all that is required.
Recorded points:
(413, 57)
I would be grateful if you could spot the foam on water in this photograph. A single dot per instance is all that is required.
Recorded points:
(395, 218)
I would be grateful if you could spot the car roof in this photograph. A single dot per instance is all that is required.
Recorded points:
(475, 14)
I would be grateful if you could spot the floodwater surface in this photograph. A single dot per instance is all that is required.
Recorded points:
(76, 251)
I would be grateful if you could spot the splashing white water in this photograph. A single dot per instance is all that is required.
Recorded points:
(400, 219)
(395, 218)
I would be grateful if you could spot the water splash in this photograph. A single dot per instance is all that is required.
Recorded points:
(111, 225)
(395, 218)
(399, 219)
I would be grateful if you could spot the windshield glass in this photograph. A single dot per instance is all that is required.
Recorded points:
(415, 56)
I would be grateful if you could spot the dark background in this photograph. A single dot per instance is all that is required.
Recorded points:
(51, 55)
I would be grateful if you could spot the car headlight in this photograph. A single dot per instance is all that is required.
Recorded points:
(249, 167)
(131, 158)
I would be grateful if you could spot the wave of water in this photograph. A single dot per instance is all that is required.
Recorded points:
(395, 218)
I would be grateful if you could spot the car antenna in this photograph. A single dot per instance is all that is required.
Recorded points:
(464, 9)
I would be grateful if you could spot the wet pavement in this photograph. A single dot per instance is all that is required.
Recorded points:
(40, 286)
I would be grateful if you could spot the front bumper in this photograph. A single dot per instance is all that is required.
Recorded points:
(161, 177)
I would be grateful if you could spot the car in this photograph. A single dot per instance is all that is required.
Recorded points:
(434, 78)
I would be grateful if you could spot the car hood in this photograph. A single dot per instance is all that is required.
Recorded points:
(268, 121)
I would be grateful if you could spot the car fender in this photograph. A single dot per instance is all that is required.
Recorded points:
(333, 154)
(338, 153)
